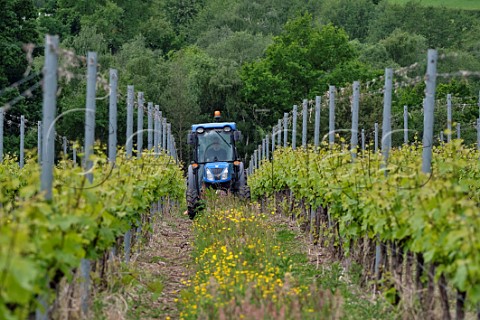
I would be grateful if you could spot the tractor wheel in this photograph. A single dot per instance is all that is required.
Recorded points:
(192, 202)
(241, 187)
(192, 194)
(244, 192)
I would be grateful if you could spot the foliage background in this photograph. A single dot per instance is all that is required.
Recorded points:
(195, 56)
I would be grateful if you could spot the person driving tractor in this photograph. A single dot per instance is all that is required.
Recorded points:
(215, 152)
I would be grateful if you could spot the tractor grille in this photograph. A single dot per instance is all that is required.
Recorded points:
(217, 171)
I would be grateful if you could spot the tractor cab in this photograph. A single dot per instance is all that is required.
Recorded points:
(215, 162)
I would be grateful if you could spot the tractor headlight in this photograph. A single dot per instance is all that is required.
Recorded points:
(209, 174)
(224, 174)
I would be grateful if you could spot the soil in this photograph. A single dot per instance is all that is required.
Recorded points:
(167, 256)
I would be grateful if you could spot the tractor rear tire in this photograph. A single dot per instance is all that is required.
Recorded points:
(192, 195)
(192, 202)
(241, 187)
(244, 192)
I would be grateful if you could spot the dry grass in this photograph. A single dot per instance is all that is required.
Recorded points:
(147, 287)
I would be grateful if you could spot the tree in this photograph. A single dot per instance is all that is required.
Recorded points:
(159, 34)
(264, 89)
(345, 73)
(89, 39)
(109, 20)
(352, 15)
(239, 47)
(441, 27)
(68, 13)
(201, 68)
(180, 96)
(49, 20)
(17, 28)
(376, 56)
(405, 48)
(182, 12)
(265, 17)
(300, 63)
(180, 104)
(294, 65)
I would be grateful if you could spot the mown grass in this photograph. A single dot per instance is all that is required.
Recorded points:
(130, 294)
(250, 267)
(453, 4)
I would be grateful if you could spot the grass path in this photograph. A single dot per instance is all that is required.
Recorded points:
(166, 257)
(236, 262)
(250, 264)
(147, 288)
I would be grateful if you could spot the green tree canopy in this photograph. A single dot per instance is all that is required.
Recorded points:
(405, 48)
(439, 26)
(295, 64)
(354, 16)
(17, 27)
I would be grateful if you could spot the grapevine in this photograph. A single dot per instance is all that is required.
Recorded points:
(43, 241)
(435, 215)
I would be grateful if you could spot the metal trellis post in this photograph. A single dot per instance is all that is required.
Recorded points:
(429, 105)
(2, 117)
(363, 140)
(405, 124)
(39, 142)
(22, 141)
(258, 156)
(140, 125)
(304, 123)
(478, 133)
(386, 145)
(150, 125)
(161, 145)
(316, 134)
(49, 112)
(112, 115)
(294, 127)
(267, 147)
(156, 128)
(164, 132)
(355, 107)
(387, 114)
(169, 138)
(130, 99)
(331, 115)
(263, 150)
(279, 132)
(89, 141)
(65, 151)
(90, 112)
(449, 117)
(478, 104)
(273, 139)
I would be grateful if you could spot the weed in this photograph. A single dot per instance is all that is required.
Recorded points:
(250, 265)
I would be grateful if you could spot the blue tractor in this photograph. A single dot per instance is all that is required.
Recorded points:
(215, 163)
